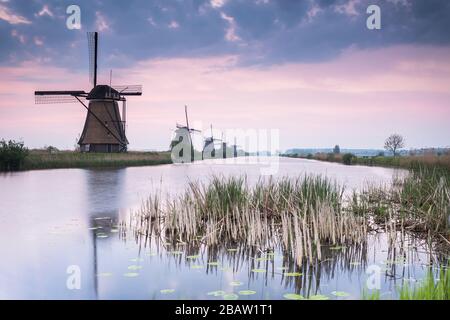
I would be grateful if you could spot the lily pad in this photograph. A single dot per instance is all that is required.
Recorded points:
(293, 296)
(167, 291)
(196, 266)
(217, 293)
(134, 267)
(259, 270)
(236, 283)
(232, 250)
(340, 293)
(318, 297)
(292, 274)
(130, 274)
(101, 235)
(177, 252)
(114, 230)
(104, 274)
(213, 263)
(230, 296)
(246, 292)
(136, 260)
(193, 257)
(355, 263)
(282, 268)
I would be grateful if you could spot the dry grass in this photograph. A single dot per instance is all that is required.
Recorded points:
(300, 216)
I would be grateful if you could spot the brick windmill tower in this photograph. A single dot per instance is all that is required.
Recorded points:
(104, 127)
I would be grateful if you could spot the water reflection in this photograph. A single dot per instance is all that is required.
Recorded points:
(276, 271)
(104, 194)
(50, 219)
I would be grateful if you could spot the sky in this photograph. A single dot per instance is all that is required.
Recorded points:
(309, 69)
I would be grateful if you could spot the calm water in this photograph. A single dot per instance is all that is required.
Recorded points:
(53, 219)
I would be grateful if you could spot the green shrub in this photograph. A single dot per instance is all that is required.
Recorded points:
(12, 155)
(347, 158)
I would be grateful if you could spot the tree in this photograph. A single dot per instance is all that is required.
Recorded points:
(12, 155)
(394, 142)
(347, 158)
(337, 149)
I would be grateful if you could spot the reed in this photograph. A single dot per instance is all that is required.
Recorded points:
(419, 202)
(300, 215)
(429, 288)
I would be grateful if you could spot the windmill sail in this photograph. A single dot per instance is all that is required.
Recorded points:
(93, 52)
(129, 90)
(49, 97)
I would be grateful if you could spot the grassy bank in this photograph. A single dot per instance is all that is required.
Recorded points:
(405, 162)
(42, 159)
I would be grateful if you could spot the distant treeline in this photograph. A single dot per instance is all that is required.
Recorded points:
(405, 161)
(304, 152)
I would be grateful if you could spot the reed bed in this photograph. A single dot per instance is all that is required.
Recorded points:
(419, 203)
(300, 215)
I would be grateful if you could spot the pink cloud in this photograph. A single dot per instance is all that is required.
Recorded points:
(354, 100)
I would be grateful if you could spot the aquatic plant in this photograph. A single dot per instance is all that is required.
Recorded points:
(429, 288)
(301, 215)
(418, 202)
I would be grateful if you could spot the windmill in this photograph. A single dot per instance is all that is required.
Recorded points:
(235, 148)
(181, 132)
(104, 127)
(209, 147)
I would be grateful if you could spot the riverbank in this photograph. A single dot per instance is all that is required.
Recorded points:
(405, 162)
(42, 159)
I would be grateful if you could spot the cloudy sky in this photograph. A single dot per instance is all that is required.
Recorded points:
(309, 68)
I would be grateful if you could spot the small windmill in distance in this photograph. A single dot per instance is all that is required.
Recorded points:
(181, 132)
(104, 127)
(209, 149)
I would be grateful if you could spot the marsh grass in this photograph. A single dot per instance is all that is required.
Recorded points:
(429, 288)
(419, 203)
(300, 215)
